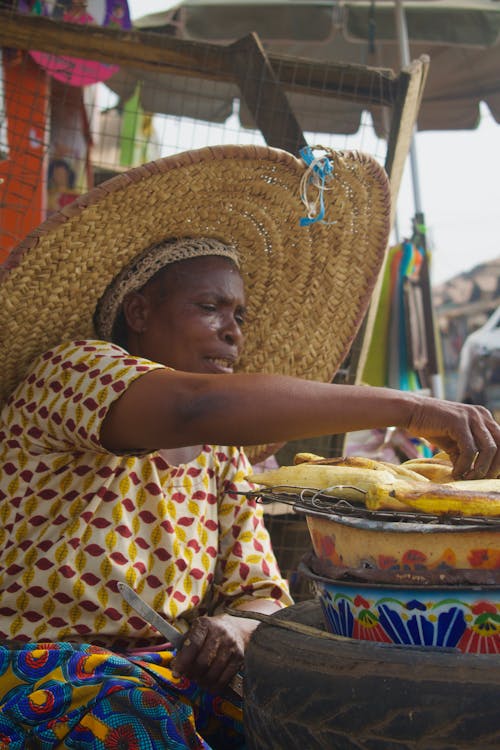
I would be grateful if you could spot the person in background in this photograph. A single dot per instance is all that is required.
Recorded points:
(61, 185)
(76, 12)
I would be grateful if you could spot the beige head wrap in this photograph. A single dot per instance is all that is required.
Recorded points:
(145, 266)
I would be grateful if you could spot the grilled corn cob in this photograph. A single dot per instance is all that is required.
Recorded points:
(438, 469)
(398, 470)
(348, 482)
(469, 498)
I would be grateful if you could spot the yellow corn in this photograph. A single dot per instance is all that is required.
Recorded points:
(439, 499)
(340, 481)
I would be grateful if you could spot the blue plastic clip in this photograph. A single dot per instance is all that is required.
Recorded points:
(320, 170)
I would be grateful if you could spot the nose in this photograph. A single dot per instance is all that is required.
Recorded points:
(231, 331)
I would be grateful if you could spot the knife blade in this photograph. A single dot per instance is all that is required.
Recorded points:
(150, 616)
(165, 628)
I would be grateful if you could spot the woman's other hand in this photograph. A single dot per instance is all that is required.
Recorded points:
(213, 650)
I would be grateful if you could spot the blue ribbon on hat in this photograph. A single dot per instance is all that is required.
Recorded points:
(319, 172)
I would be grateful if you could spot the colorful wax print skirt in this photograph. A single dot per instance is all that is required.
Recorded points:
(64, 695)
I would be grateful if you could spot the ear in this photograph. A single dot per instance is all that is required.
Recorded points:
(136, 309)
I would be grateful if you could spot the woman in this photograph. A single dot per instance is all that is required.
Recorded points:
(115, 465)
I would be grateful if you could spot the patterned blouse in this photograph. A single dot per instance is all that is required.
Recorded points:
(76, 519)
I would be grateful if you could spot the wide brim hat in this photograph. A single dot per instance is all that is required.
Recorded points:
(308, 287)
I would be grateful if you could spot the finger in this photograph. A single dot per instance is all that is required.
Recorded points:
(487, 438)
(222, 681)
(449, 447)
(494, 428)
(478, 446)
(210, 661)
(186, 659)
(213, 678)
(465, 451)
(216, 661)
(224, 663)
(494, 471)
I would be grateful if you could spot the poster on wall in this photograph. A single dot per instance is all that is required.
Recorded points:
(69, 169)
(71, 70)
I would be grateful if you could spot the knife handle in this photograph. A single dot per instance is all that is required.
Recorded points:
(236, 684)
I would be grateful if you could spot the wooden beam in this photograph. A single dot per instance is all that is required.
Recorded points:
(141, 50)
(359, 83)
(164, 54)
(264, 96)
(404, 118)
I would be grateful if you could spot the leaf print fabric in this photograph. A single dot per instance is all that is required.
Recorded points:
(76, 519)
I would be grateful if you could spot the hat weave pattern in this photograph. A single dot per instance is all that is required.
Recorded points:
(307, 287)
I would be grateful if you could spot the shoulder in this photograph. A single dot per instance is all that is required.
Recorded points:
(82, 354)
(83, 348)
(80, 366)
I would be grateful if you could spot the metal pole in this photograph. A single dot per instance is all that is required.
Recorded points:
(404, 56)
(435, 379)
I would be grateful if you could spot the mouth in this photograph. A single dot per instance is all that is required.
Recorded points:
(221, 364)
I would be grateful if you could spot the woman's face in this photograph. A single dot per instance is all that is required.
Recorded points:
(194, 314)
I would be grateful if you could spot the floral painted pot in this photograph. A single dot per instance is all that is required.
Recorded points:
(392, 545)
(466, 618)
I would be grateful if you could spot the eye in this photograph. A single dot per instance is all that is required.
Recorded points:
(240, 318)
(207, 307)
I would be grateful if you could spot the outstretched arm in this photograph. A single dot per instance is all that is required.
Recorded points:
(168, 409)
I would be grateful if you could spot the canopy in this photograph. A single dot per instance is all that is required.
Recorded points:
(462, 38)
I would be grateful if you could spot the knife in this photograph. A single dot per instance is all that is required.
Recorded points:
(165, 628)
(150, 616)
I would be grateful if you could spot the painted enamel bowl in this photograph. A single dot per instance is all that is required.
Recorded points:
(466, 618)
(388, 542)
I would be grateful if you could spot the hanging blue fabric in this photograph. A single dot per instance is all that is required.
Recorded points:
(319, 171)
(404, 271)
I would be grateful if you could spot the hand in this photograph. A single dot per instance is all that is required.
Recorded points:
(469, 435)
(213, 650)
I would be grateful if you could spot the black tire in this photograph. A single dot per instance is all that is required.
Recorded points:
(310, 693)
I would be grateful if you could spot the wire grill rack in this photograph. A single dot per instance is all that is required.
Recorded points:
(324, 503)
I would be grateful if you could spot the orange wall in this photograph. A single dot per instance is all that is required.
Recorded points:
(22, 192)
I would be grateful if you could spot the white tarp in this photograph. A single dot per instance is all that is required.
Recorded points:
(462, 38)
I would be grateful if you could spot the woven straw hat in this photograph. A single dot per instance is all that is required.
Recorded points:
(307, 286)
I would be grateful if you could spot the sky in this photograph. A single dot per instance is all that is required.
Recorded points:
(459, 177)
